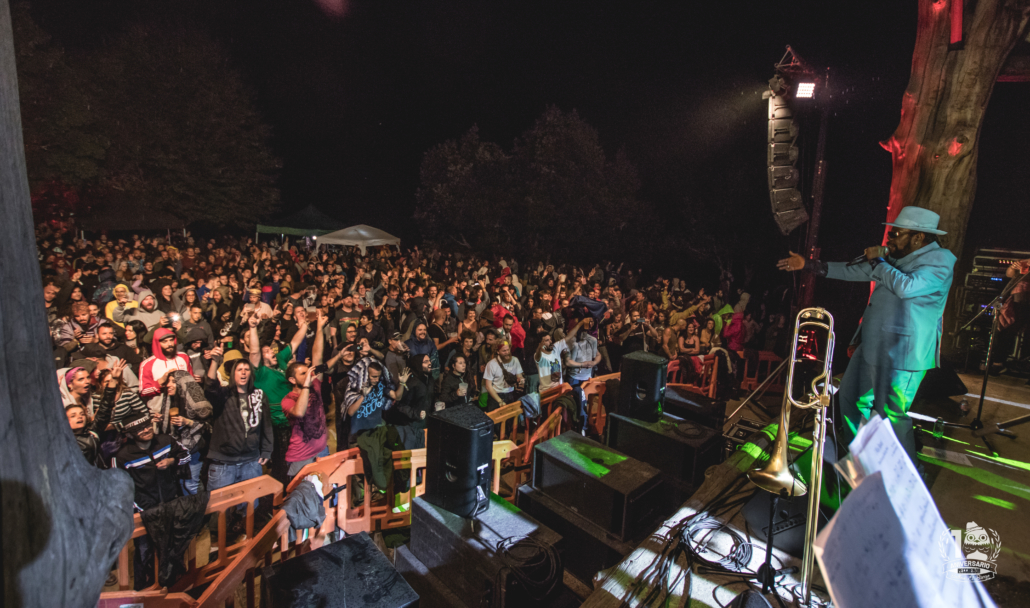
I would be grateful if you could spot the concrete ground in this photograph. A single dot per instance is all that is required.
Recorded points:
(971, 483)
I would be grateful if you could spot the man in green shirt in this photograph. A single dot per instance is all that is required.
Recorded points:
(270, 376)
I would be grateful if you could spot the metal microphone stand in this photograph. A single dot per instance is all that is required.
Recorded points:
(977, 425)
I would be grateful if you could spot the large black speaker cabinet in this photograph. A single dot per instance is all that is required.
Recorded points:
(458, 458)
(642, 385)
(682, 449)
(621, 494)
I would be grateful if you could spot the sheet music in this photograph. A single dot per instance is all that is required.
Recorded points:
(854, 551)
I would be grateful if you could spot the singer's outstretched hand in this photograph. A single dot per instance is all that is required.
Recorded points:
(793, 263)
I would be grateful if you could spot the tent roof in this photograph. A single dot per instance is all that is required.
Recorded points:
(309, 221)
(361, 236)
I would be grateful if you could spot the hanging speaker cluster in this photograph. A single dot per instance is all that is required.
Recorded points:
(787, 206)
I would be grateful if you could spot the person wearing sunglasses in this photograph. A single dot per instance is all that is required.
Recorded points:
(899, 338)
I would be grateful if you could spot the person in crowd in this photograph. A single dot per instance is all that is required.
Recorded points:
(583, 357)
(454, 386)
(548, 359)
(309, 437)
(418, 396)
(79, 331)
(269, 364)
(241, 431)
(503, 378)
(151, 460)
(146, 311)
(87, 431)
(156, 372)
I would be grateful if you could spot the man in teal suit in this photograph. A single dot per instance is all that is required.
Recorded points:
(899, 338)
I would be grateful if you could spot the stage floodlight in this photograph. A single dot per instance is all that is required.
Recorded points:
(806, 90)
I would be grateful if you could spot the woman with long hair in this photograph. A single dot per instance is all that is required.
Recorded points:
(709, 337)
(417, 402)
(690, 350)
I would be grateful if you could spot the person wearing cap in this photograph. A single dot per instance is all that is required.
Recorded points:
(263, 311)
(152, 461)
(899, 337)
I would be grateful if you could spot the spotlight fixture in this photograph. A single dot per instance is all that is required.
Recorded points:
(806, 90)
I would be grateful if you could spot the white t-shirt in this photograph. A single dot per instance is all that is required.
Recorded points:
(550, 363)
(493, 374)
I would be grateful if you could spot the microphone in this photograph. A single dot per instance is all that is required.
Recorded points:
(883, 252)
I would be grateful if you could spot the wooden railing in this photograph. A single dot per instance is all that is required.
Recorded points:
(238, 563)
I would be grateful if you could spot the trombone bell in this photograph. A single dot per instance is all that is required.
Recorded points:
(775, 476)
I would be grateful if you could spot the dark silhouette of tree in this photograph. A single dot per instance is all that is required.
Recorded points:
(157, 116)
(556, 193)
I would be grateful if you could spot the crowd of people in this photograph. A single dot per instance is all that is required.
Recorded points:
(201, 363)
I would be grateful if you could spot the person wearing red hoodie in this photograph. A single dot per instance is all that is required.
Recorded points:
(155, 373)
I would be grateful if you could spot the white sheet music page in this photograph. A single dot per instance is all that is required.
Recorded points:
(883, 546)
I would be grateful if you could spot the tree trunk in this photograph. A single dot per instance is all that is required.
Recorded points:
(63, 521)
(934, 149)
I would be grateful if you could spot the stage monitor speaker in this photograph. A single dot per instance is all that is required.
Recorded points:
(684, 403)
(642, 385)
(618, 493)
(459, 451)
(681, 449)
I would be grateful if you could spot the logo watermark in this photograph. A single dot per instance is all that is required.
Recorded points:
(972, 555)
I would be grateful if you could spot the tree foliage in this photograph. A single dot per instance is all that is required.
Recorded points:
(556, 193)
(157, 115)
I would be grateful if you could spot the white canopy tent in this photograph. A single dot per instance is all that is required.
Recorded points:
(360, 236)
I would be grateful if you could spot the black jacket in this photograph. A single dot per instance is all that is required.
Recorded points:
(154, 486)
(233, 438)
(172, 526)
(417, 399)
(88, 437)
(449, 390)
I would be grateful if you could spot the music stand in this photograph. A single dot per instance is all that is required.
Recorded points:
(977, 425)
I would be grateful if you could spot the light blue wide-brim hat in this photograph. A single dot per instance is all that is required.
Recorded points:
(918, 219)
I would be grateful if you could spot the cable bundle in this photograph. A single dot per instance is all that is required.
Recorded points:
(527, 558)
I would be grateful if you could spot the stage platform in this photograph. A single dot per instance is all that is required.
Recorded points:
(967, 482)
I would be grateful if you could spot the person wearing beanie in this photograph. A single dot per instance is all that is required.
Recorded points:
(152, 461)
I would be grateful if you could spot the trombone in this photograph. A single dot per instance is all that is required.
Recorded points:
(775, 476)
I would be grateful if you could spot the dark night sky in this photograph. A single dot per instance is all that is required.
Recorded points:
(356, 101)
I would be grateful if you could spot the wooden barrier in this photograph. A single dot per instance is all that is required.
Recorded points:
(523, 457)
(221, 501)
(757, 371)
(341, 469)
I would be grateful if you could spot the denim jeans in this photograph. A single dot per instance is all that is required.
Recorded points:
(577, 393)
(191, 485)
(220, 475)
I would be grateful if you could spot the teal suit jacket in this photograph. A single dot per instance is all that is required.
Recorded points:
(903, 322)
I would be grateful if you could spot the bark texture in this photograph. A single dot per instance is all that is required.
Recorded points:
(934, 148)
(63, 522)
